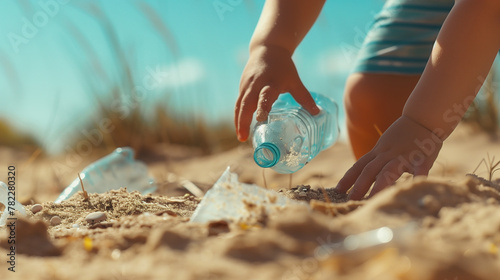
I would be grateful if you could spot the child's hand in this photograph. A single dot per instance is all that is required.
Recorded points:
(406, 146)
(269, 72)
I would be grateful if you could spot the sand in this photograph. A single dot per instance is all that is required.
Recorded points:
(446, 226)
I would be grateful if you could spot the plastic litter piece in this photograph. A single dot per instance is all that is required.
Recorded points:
(116, 170)
(228, 200)
(357, 243)
(192, 188)
(4, 199)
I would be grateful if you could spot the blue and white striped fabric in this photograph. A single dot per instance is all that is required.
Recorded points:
(402, 35)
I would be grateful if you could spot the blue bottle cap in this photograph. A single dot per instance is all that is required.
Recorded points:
(266, 155)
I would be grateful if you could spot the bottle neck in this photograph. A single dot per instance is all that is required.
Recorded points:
(266, 155)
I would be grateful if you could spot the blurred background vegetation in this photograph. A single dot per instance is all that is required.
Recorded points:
(132, 126)
(9, 136)
(142, 125)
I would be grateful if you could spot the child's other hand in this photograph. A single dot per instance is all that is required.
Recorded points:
(269, 72)
(406, 146)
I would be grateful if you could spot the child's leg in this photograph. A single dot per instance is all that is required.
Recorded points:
(390, 62)
(373, 102)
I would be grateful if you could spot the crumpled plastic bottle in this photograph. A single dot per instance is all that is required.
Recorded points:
(291, 137)
(116, 170)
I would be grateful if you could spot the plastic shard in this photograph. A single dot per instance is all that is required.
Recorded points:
(4, 199)
(116, 170)
(368, 240)
(229, 200)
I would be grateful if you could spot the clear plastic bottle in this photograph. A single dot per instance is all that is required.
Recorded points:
(116, 170)
(291, 137)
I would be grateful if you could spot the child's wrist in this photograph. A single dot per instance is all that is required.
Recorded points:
(266, 47)
(438, 133)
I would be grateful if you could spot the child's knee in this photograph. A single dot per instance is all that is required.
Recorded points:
(361, 95)
(367, 93)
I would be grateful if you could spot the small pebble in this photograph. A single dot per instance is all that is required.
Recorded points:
(36, 208)
(302, 194)
(95, 217)
(56, 220)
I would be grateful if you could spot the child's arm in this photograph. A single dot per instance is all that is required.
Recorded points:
(270, 70)
(461, 58)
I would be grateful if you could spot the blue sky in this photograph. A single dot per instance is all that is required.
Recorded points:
(50, 77)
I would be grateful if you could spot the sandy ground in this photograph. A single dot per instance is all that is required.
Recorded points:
(444, 227)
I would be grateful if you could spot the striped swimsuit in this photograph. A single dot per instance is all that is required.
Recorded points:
(402, 35)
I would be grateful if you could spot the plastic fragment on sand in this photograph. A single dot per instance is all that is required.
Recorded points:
(233, 201)
(364, 241)
(5, 198)
(114, 171)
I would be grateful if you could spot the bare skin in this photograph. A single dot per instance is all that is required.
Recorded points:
(451, 79)
(372, 103)
(463, 54)
(270, 70)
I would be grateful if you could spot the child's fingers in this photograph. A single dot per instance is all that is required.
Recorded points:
(365, 179)
(387, 176)
(245, 86)
(266, 99)
(422, 170)
(237, 111)
(247, 106)
(304, 98)
(352, 174)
